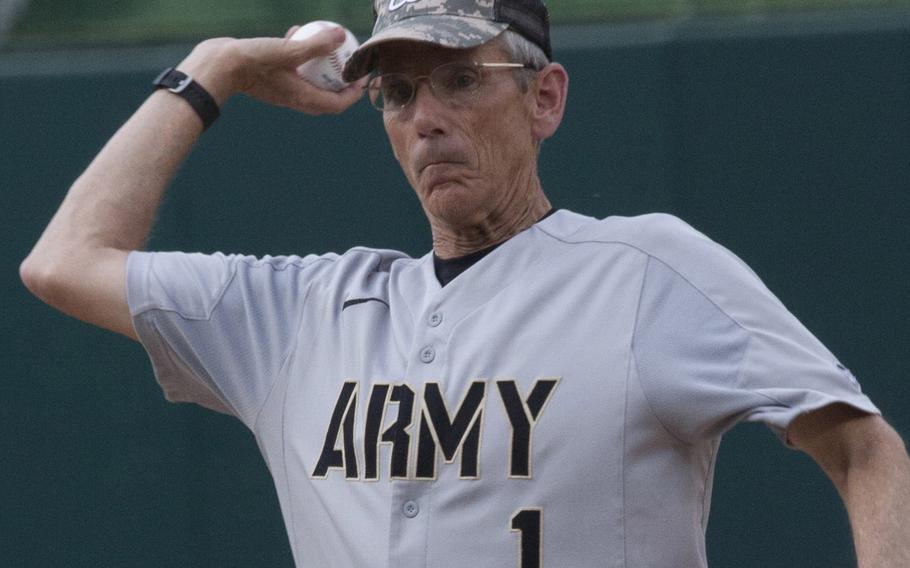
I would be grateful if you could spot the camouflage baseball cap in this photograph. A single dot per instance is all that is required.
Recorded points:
(450, 23)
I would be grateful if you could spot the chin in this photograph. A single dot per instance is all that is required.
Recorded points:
(454, 204)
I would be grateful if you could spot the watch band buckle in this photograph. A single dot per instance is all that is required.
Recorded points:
(183, 84)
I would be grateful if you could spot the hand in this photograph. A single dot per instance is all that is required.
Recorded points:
(266, 69)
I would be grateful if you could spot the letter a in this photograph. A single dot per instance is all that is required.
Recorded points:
(342, 421)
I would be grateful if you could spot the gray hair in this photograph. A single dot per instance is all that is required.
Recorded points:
(521, 50)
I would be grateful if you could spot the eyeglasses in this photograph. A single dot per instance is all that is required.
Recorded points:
(455, 83)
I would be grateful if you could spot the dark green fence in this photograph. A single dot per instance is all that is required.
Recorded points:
(52, 22)
(788, 142)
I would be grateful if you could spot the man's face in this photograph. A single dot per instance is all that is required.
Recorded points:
(468, 164)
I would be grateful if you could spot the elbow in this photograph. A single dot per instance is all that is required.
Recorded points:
(37, 276)
(44, 278)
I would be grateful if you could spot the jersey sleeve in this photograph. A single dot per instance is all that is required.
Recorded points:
(713, 346)
(218, 328)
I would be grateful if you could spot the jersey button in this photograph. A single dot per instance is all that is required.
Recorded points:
(410, 509)
(427, 354)
(435, 319)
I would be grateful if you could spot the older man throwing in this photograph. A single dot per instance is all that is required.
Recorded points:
(542, 389)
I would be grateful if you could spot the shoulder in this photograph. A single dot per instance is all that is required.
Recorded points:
(218, 262)
(645, 231)
(675, 253)
(196, 282)
(662, 236)
(380, 260)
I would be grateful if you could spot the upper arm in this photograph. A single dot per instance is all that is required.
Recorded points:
(219, 328)
(841, 438)
(93, 291)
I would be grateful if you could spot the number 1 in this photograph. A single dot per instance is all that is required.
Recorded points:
(529, 522)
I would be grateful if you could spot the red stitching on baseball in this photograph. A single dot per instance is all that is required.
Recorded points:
(333, 59)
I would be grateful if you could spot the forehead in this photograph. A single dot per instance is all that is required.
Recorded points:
(421, 57)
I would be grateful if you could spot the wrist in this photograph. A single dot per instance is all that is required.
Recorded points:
(187, 88)
(213, 68)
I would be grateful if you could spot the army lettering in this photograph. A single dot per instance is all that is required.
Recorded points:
(442, 428)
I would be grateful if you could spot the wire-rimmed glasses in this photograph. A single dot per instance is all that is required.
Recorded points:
(455, 83)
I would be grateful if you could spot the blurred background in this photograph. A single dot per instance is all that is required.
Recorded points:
(29, 24)
(781, 128)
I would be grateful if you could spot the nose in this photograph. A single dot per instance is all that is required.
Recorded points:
(428, 112)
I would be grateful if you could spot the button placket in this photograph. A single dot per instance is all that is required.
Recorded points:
(433, 320)
(410, 514)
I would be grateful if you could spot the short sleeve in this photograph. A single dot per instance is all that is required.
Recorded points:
(713, 346)
(218, 328)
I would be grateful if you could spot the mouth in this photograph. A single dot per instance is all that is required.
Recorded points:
(438, 164)
(438, 156)
(441, 163)
(438, 174)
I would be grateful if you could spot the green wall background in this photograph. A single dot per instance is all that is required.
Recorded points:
(40, 24)
(787, 140)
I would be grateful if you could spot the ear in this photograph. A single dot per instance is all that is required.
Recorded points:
(549, 94)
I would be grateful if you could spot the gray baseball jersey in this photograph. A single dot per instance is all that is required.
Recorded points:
(558, 404)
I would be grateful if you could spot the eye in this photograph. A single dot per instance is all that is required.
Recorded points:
(390, 91)
(459, 78)
(395, 90)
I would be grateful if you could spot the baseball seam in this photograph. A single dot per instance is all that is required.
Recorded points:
(336, 65)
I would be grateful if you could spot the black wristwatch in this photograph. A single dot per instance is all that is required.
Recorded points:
(192, 92)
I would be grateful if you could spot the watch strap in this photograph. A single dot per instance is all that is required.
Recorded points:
(192, 92)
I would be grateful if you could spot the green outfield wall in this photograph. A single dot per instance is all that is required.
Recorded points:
(45, 23)
(786, 139)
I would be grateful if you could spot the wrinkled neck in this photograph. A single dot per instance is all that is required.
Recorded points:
(490, 228)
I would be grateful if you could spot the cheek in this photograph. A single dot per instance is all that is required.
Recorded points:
(396, 141)
(507, 137)
(391, 135)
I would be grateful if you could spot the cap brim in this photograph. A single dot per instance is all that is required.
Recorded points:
(458, 32)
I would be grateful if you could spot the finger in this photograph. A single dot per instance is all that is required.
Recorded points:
(320, 43)
(315, 100)
(291, 31)
(352, 93)
(361, 83)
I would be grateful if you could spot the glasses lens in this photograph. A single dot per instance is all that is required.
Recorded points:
(455, 81)
(390, 91)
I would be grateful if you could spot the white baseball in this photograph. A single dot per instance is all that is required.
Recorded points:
(325, 72)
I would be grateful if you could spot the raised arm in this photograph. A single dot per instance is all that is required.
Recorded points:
(867, 461)
(79, 264)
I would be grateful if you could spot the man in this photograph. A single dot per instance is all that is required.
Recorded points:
(543, 389)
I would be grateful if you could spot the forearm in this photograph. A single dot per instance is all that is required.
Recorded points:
(113, 203)
(876, 492)
(79, 264)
